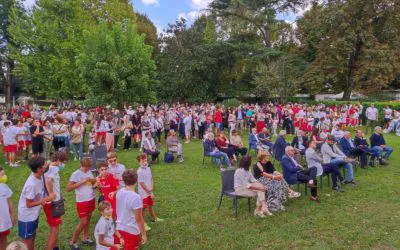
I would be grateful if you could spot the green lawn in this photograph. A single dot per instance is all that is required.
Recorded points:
(363, 217)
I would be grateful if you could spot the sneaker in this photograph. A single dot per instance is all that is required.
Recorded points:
(283, 208)
(14, 165)
(158, 220)
(345, 182)
(88, 242)
(383, 162)
(74, 246)
(294, 195)
(259, 213)
(75, 159)
(146, 227)
(371, 164)
(337, 189)
(222, 169)
(352, 182)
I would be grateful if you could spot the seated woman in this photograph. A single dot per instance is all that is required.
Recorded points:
(173, 145)
(149, 147)
(247, 186)
(277, 188)
(224, 146)
(237, 144)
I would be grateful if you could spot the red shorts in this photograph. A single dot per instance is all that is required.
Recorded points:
(86, 208)
(5, 233)
(11, 148)
(101, 134)
(131, 241)
(148, 201)
(27, 143)
(21, 144)
(52, 221)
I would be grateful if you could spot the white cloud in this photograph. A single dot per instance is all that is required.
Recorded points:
(200, 4)
(151, 2)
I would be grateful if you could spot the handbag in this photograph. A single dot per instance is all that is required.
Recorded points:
(57, 207)
(168, 157)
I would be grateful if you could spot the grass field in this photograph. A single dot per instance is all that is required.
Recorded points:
(363, 217)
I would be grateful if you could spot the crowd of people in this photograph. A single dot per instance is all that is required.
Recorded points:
(44, 138)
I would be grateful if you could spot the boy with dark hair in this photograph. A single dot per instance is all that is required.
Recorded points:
(31, 200)
(83, 181)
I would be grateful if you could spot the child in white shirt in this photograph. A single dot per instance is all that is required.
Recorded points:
(31, 200)
(83, 182)
(130, 222)
(145, 188)
(7, 219)
(104, 231)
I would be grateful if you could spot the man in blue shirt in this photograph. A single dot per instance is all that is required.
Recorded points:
(378, 144)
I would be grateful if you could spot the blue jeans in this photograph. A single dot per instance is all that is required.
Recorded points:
(348, 166)
(218, 155)
(379, 151)
(75, 148)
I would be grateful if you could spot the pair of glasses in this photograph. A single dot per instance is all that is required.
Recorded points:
(112, 160)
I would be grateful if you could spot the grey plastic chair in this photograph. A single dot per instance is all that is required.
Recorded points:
(99, 154)
(227, 178)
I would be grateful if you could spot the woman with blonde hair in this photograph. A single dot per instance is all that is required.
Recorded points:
(277, 188)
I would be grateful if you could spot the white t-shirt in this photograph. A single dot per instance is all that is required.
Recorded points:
(5, 219)
(104, 227)
(127, 202)
(388, 113)
(10, 135)
(144, 175)
(85, 192)
(117, 172)
(372, 113)
(53, 173)
(33, 190)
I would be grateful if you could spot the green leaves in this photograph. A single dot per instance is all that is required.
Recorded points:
(117, 64)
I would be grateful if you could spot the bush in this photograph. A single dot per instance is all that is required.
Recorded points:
(231, 103)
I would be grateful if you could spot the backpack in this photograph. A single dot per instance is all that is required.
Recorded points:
(168, 157)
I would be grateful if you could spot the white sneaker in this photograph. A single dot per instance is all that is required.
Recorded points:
(259, 213)
(74, 158)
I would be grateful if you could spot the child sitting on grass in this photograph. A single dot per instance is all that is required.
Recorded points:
(7, 219)
(104, 231)
(145, 188)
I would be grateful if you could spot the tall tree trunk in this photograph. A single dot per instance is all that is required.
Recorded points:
(8, 83)
(353, 58)
(266, 36)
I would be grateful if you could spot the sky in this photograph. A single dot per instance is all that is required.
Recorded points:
(162, 12)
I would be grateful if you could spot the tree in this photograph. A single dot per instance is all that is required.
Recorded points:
(191, 62)
(117, 64)
(357, 46)
(145, 26)
(50, 40)
(279, 76)
(259, 14)
(8, 7)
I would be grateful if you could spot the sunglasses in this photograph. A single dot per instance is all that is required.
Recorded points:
(112, 160)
